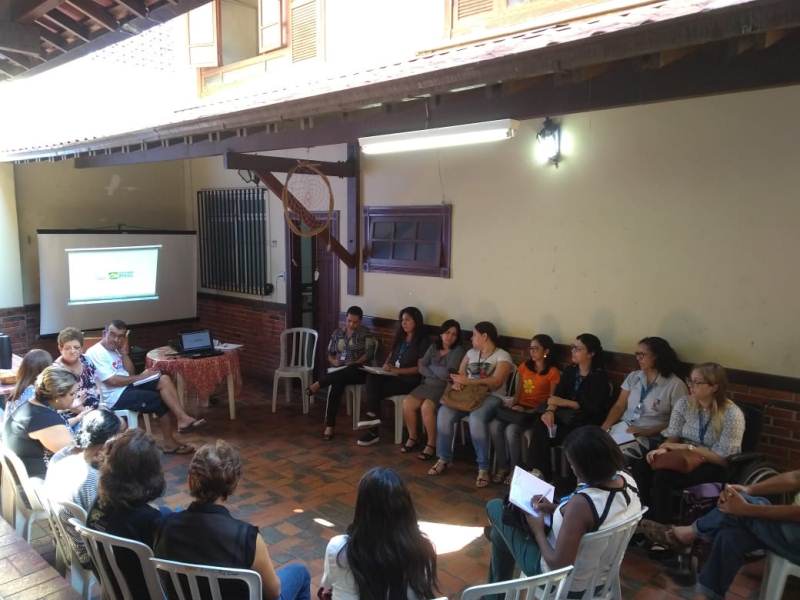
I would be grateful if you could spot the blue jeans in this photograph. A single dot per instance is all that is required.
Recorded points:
(295, 582)
(479, 419)
(734, 537)
(509, 546)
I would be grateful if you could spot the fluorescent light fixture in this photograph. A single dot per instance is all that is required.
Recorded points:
(442, 137)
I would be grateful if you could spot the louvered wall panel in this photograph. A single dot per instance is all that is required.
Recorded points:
(304, 30)
(468, 8)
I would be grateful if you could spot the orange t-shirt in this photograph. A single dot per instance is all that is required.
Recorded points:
(535, 389)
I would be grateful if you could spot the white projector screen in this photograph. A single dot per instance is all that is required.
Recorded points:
(87, 278)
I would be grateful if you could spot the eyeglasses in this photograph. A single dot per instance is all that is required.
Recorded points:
(695, 382)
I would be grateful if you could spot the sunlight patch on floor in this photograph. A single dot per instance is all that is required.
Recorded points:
(448, 538)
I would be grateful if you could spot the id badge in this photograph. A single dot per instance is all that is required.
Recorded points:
(397, 363)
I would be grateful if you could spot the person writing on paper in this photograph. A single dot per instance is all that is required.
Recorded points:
(606, 496)
(402, 368)
(347, 352)
(704, 428)
(648, 395)
(117, 380)
(743, 522)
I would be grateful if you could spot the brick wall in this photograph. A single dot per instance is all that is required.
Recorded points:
(22, 324)
(779, 397)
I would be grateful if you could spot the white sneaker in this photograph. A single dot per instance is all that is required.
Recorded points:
(369, 423)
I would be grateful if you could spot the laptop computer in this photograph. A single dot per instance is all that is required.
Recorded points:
(197, 344)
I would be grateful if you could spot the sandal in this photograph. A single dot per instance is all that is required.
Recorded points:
(408, 448)
(507, 480)
(192, 426)
(661, 535)
(438, 468)
(500, 477)
(327, 435)
(483, 478)
(179, 449)
(427, 455)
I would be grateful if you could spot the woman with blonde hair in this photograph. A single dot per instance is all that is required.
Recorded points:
(704, 429)
(35, 431)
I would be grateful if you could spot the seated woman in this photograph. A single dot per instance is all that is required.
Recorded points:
(35, 431)
(130, 478)
(706, 425)
(402, 366)
(537, 379)
(648, 395)
(347, 352)
(606, 496)
(71, 357)
(442, 358)
(582, 397)
(33, 363)
(484, 364)
(214, 473)
(73, 474)
(742, 523)
(383, 555)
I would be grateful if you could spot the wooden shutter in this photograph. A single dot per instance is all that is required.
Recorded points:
(202, 29)
(470, 8)
(271, 25)
(304, 29)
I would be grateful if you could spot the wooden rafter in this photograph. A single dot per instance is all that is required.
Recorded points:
(137, 7)
(279, 164)
(27, 11)
(56, 41)
(96, 13)
(22, 61)
(16, 37)
(77, 29)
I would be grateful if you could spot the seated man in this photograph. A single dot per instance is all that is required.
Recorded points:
(114, 370)
(347, 350)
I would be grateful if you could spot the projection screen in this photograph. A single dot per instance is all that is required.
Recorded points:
(87, 278)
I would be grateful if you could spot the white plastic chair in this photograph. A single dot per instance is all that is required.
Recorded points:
(598, 561)
(298, 350)
(67, 540)
(101, 547)
(181, 574)
(547, 585)
(776, 570)
(398, 417)
(132, 418)
(28, 508)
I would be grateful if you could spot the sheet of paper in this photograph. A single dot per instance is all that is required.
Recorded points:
(620, 434)
(378, 371)
(525, 486)
(227, 346)
(153, 377)
(334, 369)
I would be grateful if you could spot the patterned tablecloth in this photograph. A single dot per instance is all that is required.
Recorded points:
(201, 375)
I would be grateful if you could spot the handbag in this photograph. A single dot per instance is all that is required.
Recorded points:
(524, 419)
(467, 399)
(682, 461)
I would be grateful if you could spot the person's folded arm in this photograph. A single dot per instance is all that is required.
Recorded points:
(496, 379)
(788, 482)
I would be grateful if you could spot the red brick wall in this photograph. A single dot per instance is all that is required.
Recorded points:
(22, 325)
(780, 438)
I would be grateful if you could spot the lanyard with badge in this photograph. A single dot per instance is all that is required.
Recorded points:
(703, 428)
(646, 389)
(404, 346)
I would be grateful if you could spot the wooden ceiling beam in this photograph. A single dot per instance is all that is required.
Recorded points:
(77, 29)
(96, 13)
(16, 37)
(20, 60)
(279, 164)
(137, 7)
(27, 11)
(56, 41)
(10, 70)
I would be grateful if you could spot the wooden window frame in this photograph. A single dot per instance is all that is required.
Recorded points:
(285, 6)
(441, 212)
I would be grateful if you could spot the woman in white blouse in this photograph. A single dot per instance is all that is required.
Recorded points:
(706, 423)
(384, 555)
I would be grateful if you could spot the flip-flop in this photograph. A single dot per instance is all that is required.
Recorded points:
(192, 426)
(483, 478)
(179, 449)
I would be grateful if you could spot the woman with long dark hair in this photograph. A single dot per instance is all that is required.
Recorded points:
(582, 397)
(537, 379)
(401, 371)
(441, 359)
(647, 395)
(384, 555)
(34, 362)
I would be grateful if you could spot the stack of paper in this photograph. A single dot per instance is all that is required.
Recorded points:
(524, 487)
(620, 434)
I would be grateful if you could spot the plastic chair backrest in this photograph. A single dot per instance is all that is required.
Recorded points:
(547, 585)
(600, 555)
(24, 489)
(298, 347)
(101, 547)
(181, 575)
(372, 347)
(511, 384)
(60, 512)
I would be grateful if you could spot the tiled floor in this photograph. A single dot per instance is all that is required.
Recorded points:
(300, 490)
